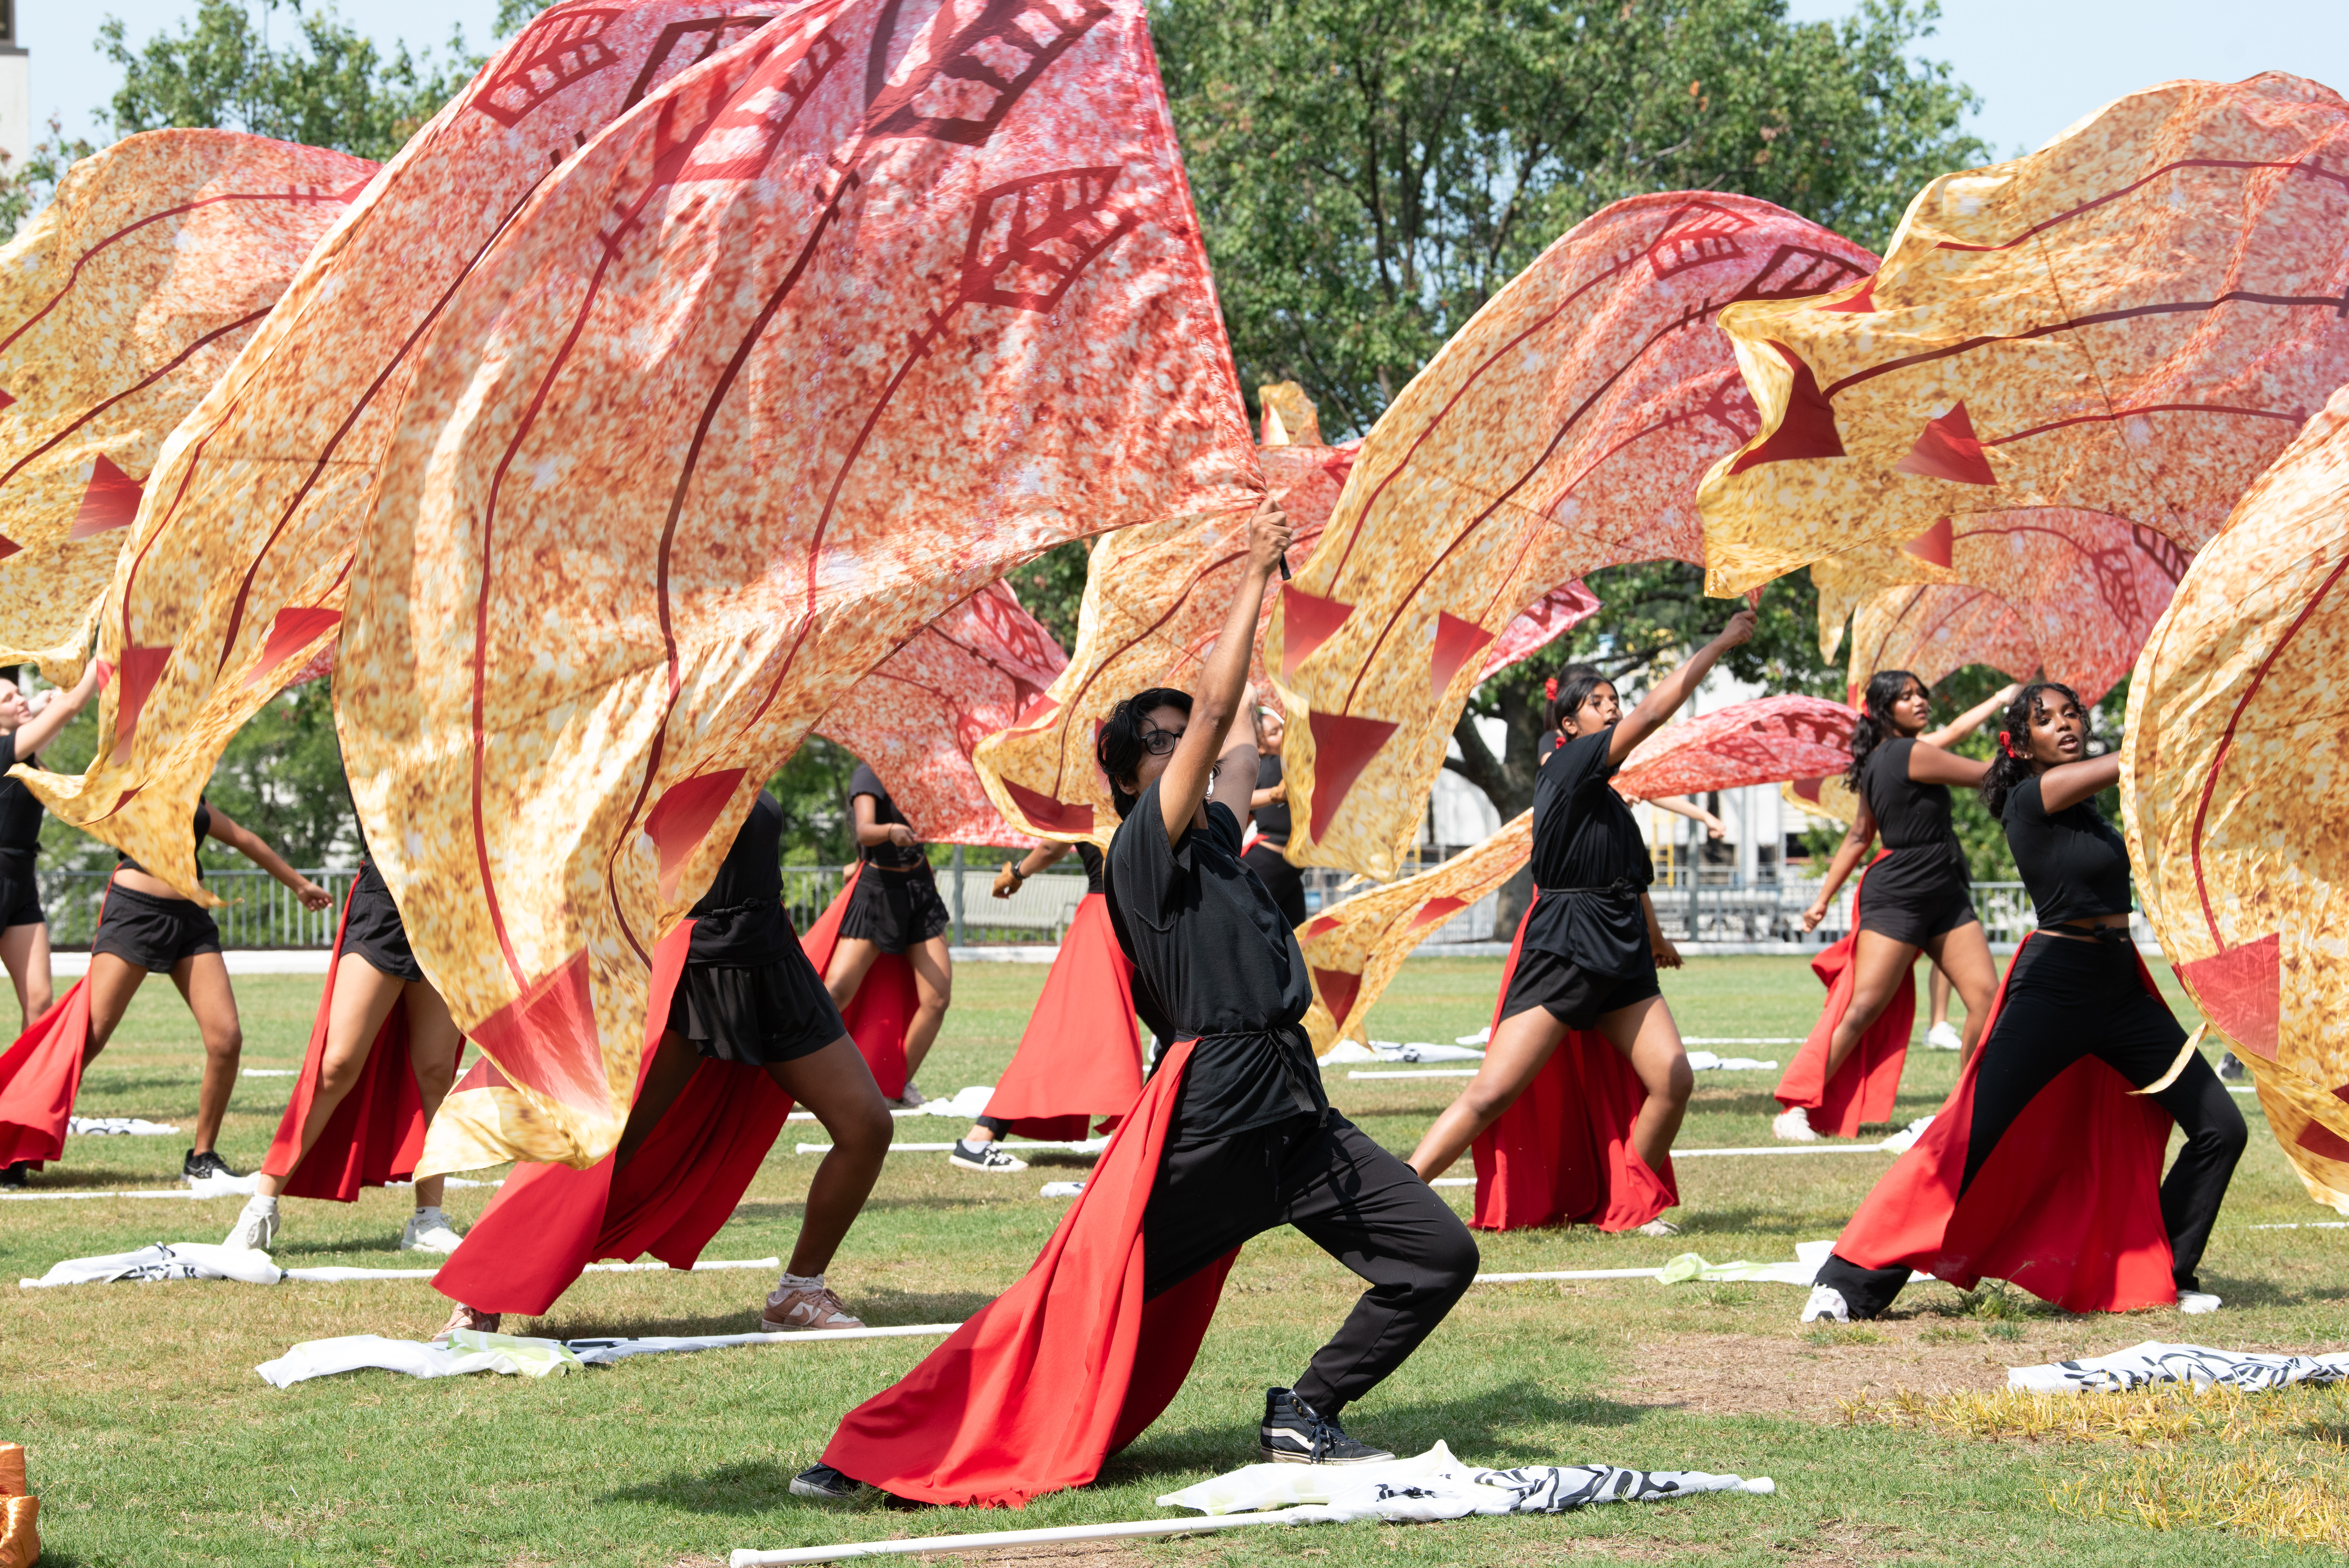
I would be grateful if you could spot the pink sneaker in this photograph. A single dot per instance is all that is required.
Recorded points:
(466, 1317)
(791, 1311)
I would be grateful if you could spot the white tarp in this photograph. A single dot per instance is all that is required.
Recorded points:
(470, 1351)
(1435, 1485)
(2153, 1364)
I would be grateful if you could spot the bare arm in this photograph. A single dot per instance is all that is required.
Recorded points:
(1008, 880)
(1966, 723)
(1856, 841)
(42, 728)
(1664, 698)
(1265, 797)
(1929, 764)
(873, 833)
(2063, 787)
(1667, 956)
(1182, 788)
(246, 843)
(1682, 806)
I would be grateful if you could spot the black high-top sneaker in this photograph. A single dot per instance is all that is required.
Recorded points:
(1295, 1433)
(825, 1484)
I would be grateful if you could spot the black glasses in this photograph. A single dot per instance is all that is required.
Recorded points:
(1159, 742)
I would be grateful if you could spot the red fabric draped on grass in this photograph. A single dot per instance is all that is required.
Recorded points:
(879, 1013)
(550, 1222)
(1081, 1054)
(1562, 1154)
(2068, 1205)
(374, 1137)
(1046, 1381)
(39, 1077)
(1863, 1090)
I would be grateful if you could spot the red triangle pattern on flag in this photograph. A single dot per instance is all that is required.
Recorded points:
(111, 502)
(295, 627)
(1934, 544)
(2240, 991)
(682, 817)
(545, 1039)
(1307, 622)
(1045, 812)
(1948, 448)
(1342, 748)
(1808, 429)
(1338, 990)
(139, 670)
(8, 547)
(1861, 304)
(1457, 643)
(1437, 909)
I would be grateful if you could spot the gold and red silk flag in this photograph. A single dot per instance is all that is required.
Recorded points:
(2238, 738)
(2135, 319)
(1826, 795)
(121, 305)
(1933, 630)
(799, 352)
(1563, 429)
(233, 578)
(1769, 740)
(917, 718)
(1355, 948)
(1153, 603)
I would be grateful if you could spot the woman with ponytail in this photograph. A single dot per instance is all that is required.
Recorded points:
(1593, 1141)
(1917, 897)
(2044, 1166)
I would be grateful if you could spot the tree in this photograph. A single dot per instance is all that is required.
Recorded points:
(1368, 172)
(332, 88)
(25, 188)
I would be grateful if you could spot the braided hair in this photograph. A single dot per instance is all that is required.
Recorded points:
(1567, 690)
(2013, 763)
(1885, 687)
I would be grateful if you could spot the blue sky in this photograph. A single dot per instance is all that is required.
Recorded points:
(2039, 64)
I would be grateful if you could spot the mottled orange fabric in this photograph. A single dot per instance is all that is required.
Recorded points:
(1767, 742)
(1562, 430)
(795, 355)
(1933, 630)
(233, 578)
(2135, 319)
(1356, 948)
(917, 718)
(121, 303)
(2237, 736)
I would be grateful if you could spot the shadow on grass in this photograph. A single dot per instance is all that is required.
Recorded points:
(750, 1486)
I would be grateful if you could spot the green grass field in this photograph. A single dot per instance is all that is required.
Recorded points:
(152, 1442)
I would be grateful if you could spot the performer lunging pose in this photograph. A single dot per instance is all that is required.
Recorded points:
(749, 1030)
(895, 909)
(1585, 961)
(1081, 1056)
(1231, 1137)
(384, 1033)
(1917, 897)
(24, 927)
(2044, 1166)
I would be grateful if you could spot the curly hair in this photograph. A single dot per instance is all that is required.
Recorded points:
(1119, 747)
(1569, 689)
(2013, 764)
(1885, 687)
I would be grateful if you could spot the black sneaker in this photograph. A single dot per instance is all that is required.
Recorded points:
(20, 1175)
(1294, 1433)
(205, 1167)
(2229, 1069)
(988, 1157)
(825, 1484)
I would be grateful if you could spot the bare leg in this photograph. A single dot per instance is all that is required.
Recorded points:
(852, 959)
(1939, 987)
(1647, 1037)
(204, 984)
(1963, 955)
(675, 1061)
(1519, 1046)
(24, 950)
(933, 963)
(1880, 966)
(113, 981)
(836, 1085)
(434, 1042)
(364, 997)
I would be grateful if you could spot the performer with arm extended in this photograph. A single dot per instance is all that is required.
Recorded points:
(2036, 1168)
(1589, 944)
(24, 927)
(895, 910)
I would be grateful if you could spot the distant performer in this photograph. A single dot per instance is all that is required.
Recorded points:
(24, 927)
(893, 910)
(1269, 801)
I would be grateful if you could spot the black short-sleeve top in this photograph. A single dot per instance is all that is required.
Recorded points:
(1909, 815)
(1217, 962)
(1090, 859)
(739, 923)
(203, 830)
(1589, 863)
(888, 857)
(20, 808)
(1272, 821)
(2075, 862)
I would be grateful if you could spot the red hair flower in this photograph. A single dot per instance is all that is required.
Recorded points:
(2006, 745)
(1549, 688)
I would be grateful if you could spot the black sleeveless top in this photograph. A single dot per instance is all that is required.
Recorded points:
(20, 808)
(2074, 862)
(1090, 859)
(888, 857)
(739, 923)
(203, 830)
(1913, 822)
(1273, 822)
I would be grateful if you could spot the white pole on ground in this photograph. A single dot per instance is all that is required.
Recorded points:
(994, 1539)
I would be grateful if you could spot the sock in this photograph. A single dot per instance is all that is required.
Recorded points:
(260, 1203)
(795, 1282)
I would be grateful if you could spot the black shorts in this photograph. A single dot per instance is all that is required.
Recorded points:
(20, 891)
(1916, 920)
(895, 910)
(372, 927)
(1575, 996)
(154, 933)
(775, 1012)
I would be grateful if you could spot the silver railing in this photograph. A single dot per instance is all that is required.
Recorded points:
(258, 910)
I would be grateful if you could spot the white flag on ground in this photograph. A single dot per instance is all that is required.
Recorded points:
(2153, 1364)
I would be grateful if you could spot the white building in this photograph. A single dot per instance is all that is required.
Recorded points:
(16, 90)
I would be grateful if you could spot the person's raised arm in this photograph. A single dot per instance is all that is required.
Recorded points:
(1664, 698)
(1929, 764)
(1966, 723)
(1008, 880)
(2066, 785)
(248, 844)
(872, 833)
(42, 728)
(1856, 841)
(1682, 806)
(1222, 683)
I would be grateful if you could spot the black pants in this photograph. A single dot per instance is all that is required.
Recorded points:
(1358, 1202)
(1283, 881)
(2071, 999)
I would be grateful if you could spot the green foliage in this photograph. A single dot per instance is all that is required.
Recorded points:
(26, 188)
(813, 788)
(333, 87)
(282, 776)
(1053, 588)
(1368, 172)
(512, 14)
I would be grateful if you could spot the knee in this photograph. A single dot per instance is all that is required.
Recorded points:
(1680, 1083)
(867, 1130)
(433, 1079)
(227, 1044)
(1452, 1263)
(37, 998)
(2226, 1135)
(937, 1001)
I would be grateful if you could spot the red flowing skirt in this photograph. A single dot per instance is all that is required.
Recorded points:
(39, 1075)
(883, 1008)
(1081, 1056)
(1863, 1090)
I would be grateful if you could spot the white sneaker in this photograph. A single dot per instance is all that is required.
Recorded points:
(1826, 1302)
(1944, 1037)
(1793, 1125)
(1660, 1228)
(913, 1099)
(428, 1231)
(255, 1227)
(792, 1310)
(2195, 1303)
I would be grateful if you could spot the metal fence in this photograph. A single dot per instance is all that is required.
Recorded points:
(258, 910)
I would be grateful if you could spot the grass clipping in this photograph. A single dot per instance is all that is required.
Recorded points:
(2265, 1465)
